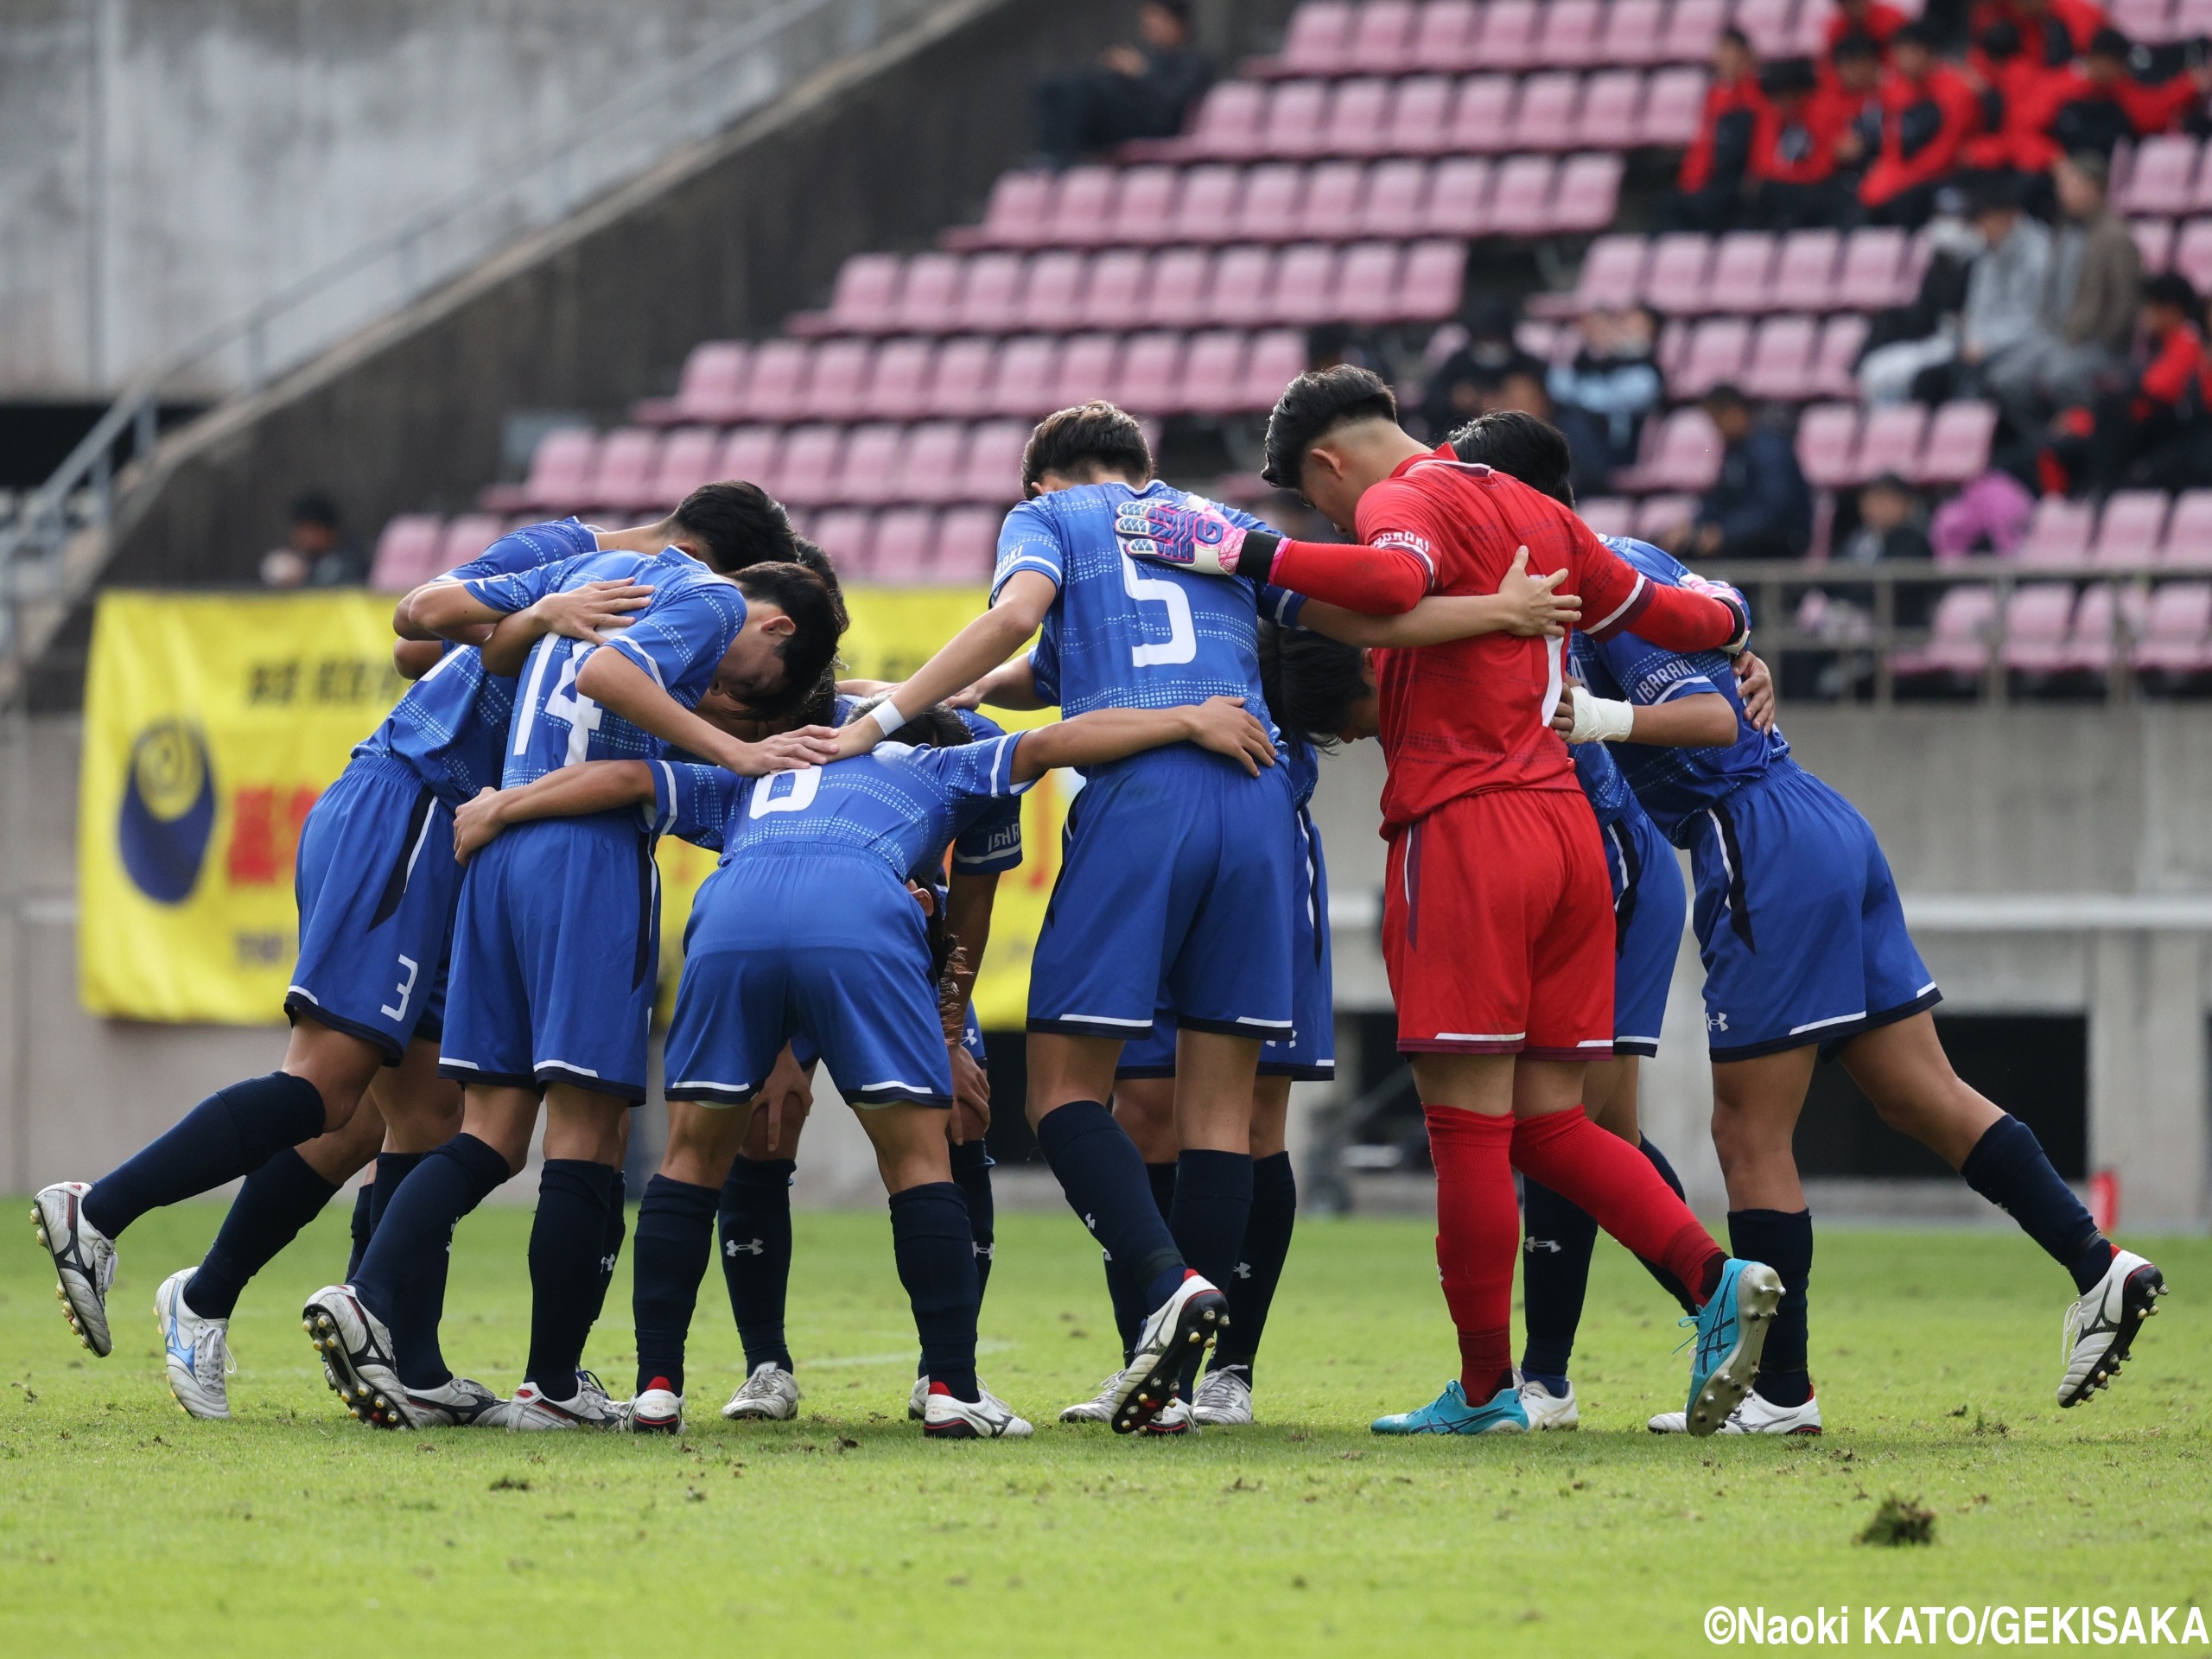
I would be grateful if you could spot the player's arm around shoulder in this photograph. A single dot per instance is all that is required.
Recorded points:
(1524, 605)
(1220, 724)
(569, 792)
(1024, 598)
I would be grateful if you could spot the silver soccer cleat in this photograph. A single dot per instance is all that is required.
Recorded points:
(195, 1351)
(770, 1395)
(83, 1260)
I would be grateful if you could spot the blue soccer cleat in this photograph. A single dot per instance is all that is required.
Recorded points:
(1731, 1331)
(1450, 1413)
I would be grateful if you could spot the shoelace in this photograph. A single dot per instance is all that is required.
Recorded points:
(214, 1341)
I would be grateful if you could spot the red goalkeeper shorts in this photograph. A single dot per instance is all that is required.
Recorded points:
(1498, 928)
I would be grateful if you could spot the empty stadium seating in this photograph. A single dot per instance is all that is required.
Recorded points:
(1398, 37)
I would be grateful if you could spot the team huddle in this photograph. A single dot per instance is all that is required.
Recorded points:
(1559, 713)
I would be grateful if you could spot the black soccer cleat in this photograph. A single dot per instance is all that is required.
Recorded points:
(1177, 1334)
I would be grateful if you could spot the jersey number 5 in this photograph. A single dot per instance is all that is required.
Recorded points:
(1182, 642)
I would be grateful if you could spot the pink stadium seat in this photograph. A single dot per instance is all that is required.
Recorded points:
(1694, 29)
(2176, 642)
(1609, 514)
(1089, 368)
(1025, 383)
(809, 473)
(1115, 296)
(1053, 298)
(1957, 447)
(1182, 288)
(1958, 644)
(1306, 284)
(991, 292)
(968, 543)
(867, 297)
(686, 461)
(1430, 285)
(1685, 456)
(2164, 178)
(1151, 375)
(712, 387)
(1869, 277)
(1742, 274)
(1674, 345)
(1205, 209)
(1213, 373)
(899, 389)
(1277, 357)
(1333, 196)
(1718, 347)
(1660, 518)
(929, 302)
(994, 462)
(1393, 202)
(1319, 38)
(2037, 617)
(961, 388)
(1482, 116)
(560, 473)
(1521, 202)
(2132, 529)
(407, 552)
(753, 453)
(1589, 194)
(1229, 124)
(1243, 288)
(1445, 35)
(1781, 364)
(868, 469)
(1268, 212)
(1020, 206)
(2189, 534)
(622, 474)
(848, 535)
(1676, 282)
(2193, 253)
(1367, 283)
(466, 535)
(1891, 441)
(1381, 37)
(1612, 110)
(1359, 117)
(2201, 198)
(1674, 101)
(1544, 117)
(835, 391)
(1831, 368)
(2058, 534)
(1612, 273)
(1083, 211)
(1634, 35)
(2104, 614)
(2144, 20)
(1769, 24)
(931, 463)
(1143, 209)
(1459, 197)
(1568, 39)
(1804, 270)
(1509, 39)
(904, 550)
(2154, 242)
(1421, 116)
(1297, 124)
(1828, 440)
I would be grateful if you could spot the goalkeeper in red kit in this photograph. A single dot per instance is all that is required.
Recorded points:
(1497, 910)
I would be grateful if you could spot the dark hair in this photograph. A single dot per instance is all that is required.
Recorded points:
(806, 553)
(2171, 288)
(1733, 37)
(1314, 405)
(937, 726)
(1519, 445)
(1914, 33)
(821, 708)
(1725, 396)
(315, 507)
(740, 523)
(808, 651)
(1180, 10)
(1788, 77)
(1856, 45)
(2000, 40)
(1311, 682)
(1993, 192)
(1096, 434)
(2109, 43)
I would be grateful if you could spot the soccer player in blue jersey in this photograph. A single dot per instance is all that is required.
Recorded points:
(540, 1005)
(1806, 954)
(808, 928)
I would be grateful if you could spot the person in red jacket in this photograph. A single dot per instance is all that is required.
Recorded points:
(2020, 96)
(1876, 21)
(1709, 189)
(2100, 103)
(1793, 164)
(2155, 431)
(2053, 32)
(1928, 113)
(1849, 103)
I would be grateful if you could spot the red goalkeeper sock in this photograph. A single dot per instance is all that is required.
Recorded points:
(1616, 1184)
(1478, 1238)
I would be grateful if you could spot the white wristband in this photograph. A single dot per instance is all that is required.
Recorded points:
(886, 717)
(1599, 720)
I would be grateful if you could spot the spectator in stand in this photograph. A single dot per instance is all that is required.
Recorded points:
(1795, 184)
(317, 553)
(1905, 339)
(2154, 431)
(1760, 507)
(1888, 525)
(1709, 190)
(1136, 91)
(2020, 96)
(1928, 113)
(1470, 381)
(2097, 106)
(1601, 399)
(2052, 32)
(1849, 102)
(2089, 305)
(1869, 20)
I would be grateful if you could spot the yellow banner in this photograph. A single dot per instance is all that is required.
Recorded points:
(213, 722)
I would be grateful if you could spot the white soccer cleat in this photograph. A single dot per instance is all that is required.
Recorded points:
(356, 1357)
(1100, 1410)
(918, 1401)
(1549, 1410)
(2101, 1327)
(1754, 1415)
(1173, 1418)
(989, 1418)
(458, 1402)
(528, 1411)
(83, 1260)
(658, 1409)
(1180, 1329)
(771, 1396)
(1224, 1400)
(195, 1351)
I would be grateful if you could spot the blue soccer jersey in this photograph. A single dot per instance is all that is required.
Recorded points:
(527, 548)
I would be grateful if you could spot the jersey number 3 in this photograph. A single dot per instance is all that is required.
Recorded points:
(1182, 642)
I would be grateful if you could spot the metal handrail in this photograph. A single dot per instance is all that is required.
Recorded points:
(559, 168)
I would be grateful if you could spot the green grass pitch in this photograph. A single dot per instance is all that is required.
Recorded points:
(125, 1527)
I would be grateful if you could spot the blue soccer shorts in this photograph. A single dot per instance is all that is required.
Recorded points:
(813, 942)
(1650, 906)
(1172, 882)
(375, 882)
(1798, 922)
(553, 957)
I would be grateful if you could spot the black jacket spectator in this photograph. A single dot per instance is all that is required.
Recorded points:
(1136, 91)
(1760, 507)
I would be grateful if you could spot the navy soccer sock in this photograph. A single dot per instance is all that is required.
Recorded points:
(1783, 1240)
(277, 1199)
(2009, 1168)
(610, 1253)
(676, 1234)
(566, 1241)
(1162, 1178)
(403, 1274)
(1259, 1269)
(232, 1133)
(392, 1169)
(1213, 1205)
(1121, 1289)
(363, 1228)
(1103, 1176)
(756, 1234)
(971, 1172)
(1556, 1239)
(935, 1252)
(1668, 1282)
